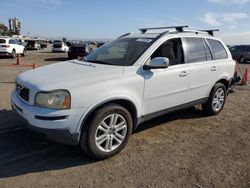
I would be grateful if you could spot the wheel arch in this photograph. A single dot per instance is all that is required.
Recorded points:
(124, 102)
(224, 81)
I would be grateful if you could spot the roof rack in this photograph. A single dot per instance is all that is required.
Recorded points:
(178, 28)
(210, 31)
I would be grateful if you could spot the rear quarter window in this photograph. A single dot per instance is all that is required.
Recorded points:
(2, 41)
(217, 49)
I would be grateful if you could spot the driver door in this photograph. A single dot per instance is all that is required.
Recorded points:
(168, 87)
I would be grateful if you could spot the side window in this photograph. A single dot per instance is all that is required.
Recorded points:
(248, 48)
(218, 50)
(11, 41)
(207, 50)
(195, 50)
(172, 49)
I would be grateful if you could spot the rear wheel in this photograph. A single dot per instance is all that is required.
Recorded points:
(242, 59)
(13, 54)
(216, 100)
(108, 132)
(24, 53)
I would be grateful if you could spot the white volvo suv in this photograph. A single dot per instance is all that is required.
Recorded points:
(11, 47)
(97, 102)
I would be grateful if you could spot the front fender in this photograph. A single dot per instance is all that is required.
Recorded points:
(105, 100)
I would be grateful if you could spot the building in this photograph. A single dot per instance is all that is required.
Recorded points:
(4, 30)
(14, 26)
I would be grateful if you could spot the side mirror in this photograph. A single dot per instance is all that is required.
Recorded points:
(157, 63)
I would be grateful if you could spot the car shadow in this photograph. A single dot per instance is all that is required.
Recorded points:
(23, 151)
(189, 113)
(57, 59)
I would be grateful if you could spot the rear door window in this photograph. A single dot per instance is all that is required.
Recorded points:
(195, 50)
(217, 49)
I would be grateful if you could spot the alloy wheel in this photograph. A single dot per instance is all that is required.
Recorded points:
(218, 99)
(111, 132)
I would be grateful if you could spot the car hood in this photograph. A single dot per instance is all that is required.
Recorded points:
(68, 75)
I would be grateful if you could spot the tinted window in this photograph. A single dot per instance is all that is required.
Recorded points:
(195, 50)
(218, 50)
(11, 41)
(2, 41)
(248, 48)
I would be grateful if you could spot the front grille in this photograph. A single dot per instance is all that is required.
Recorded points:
(23, 92)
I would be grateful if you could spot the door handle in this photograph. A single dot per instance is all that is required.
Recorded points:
(183, 73)
(213, 68)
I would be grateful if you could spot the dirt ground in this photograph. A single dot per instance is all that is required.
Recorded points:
(182, 149)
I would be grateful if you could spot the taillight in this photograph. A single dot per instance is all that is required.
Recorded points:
(5, 46)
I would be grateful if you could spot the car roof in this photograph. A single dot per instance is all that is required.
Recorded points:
(78, 45)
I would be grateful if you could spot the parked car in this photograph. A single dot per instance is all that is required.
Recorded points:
(97, 102)
(77, 50)
(59, 46)
(11, 47)
(241, 53)
(33, 45)
(99, 44)
(43, 44)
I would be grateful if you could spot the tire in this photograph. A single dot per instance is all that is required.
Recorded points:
(242, 59)
(24, 53)
(102, 140)
(13, 54)
(216, 100)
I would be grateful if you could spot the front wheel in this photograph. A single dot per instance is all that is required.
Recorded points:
(216, 100)
(108, 132)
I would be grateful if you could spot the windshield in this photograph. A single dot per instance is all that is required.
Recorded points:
(122, 52)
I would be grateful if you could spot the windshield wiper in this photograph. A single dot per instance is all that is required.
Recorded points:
(96, 61)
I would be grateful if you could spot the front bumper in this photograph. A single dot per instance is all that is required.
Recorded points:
(58, 125)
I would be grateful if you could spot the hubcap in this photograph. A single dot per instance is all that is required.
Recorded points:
(111, 132)
(218, 100)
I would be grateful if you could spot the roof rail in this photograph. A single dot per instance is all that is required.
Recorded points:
(210, 31)
(178, 28)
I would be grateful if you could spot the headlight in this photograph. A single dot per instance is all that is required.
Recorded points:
(58, 99)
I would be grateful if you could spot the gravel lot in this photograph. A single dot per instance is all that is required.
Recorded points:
(182, 149)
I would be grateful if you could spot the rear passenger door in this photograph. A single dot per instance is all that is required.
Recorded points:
(202, 69)
(220, 58)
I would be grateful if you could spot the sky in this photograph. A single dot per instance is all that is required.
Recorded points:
(107, 19)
